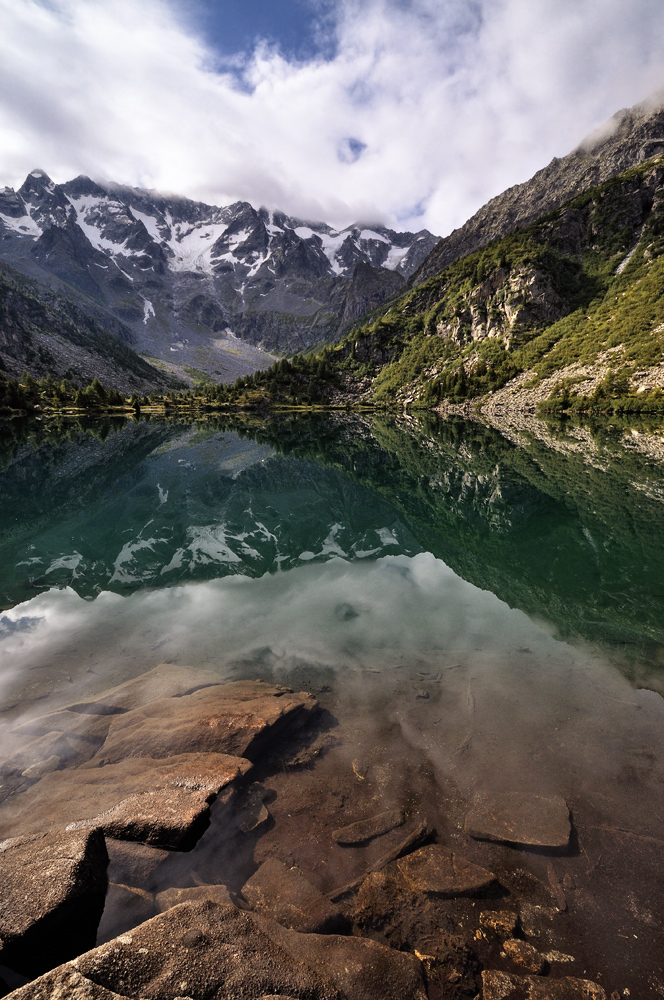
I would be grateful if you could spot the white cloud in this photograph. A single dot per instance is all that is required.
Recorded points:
(427, 106)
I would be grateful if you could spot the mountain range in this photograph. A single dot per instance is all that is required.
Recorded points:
(213, 290)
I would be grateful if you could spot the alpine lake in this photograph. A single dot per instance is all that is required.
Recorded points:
(475, 614)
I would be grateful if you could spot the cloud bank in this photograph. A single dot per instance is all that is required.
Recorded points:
(415, 113)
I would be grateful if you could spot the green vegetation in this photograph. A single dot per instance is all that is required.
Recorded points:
(539, 300)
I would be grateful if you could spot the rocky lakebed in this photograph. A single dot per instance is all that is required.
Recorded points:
(178, 838)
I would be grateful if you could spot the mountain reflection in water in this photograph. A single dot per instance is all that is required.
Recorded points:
(569, 529)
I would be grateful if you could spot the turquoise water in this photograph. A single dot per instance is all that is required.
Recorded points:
(498, 595)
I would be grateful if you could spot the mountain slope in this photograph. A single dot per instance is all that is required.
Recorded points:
(571, 307)
(201, 285)
(629, 138)
(45, 333)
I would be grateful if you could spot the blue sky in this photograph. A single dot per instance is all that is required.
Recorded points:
(409, 112)
(233, 26)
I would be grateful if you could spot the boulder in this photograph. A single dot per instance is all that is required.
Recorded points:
(437, 871)
(51, 898)
(64, 983)
(251, 812)
(204, 950)
(160, 802)
(126, 906)
(504, 986)
(283, 893)
(521, 819)
(522, 953)
(367, 829)
(237, 718)
(169, 898)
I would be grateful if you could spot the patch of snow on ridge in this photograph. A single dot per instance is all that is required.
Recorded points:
(85, 206)
(25, 226)
(394, 257)
(369, 234)
(149, 222)
(191, 245)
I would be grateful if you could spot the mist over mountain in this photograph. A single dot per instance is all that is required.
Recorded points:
(211, 288)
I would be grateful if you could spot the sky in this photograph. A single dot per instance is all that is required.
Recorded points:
(412, 113)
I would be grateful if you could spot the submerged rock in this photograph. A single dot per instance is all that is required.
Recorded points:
(131, 863)
(523, 820)
(367, 829)
(159, 802)
(436, 870)
(504, 986)
(503, 923)
(203, 950)
(51, 898)
(169, 898)
(283, 893)
(237, 718)
(125, 907)
(522, 953)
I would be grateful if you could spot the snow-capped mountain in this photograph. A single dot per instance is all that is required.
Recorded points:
(200, 284)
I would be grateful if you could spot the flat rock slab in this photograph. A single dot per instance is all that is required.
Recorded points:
(52, 893)
(169, 898)
(504, 986)
(238, 718)
(367, 829)
(65, 983)
(135, 864)
(437, 871)
(522, 820)
(160, 802)
(163, 681)
(283, 893)
(204, 950)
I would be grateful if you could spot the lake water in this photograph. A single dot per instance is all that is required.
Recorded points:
(479, 610)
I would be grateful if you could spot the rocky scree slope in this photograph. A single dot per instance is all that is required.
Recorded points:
(570, 307)
(45, 333)
(210, 287)
(629, 138)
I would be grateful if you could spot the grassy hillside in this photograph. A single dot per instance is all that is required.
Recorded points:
(569, 311)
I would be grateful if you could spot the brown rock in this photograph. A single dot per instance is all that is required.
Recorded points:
(504, 986)
(283, 893)
(169, 898)
(238, 718)
(159, 802)
(435, 870)
(72, 748)
(524, 954)
(164, 681)
(367, 829)
(133, 864)
(524, 820)
(206, 950)
(51, 898)
(125, 907)
(251, 812)
(64, 983)
(503, 923)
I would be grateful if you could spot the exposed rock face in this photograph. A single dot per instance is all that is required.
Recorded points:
(160, 802)
(627, 139)
(65, 983)
(203, 950)
(184, 275)
(527, 820)
(46, 332)
(237, 718)
(51, 898)
(283, 893)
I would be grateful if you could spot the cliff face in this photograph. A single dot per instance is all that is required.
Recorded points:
(626, 140)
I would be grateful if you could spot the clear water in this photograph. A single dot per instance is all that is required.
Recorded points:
(492, 601)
